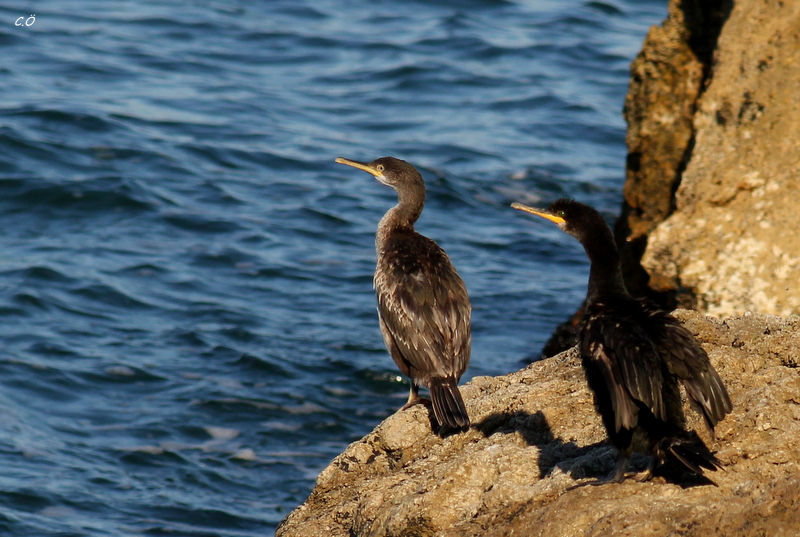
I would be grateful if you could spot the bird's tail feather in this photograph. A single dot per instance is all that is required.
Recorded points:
(448, 406)
(690, 450)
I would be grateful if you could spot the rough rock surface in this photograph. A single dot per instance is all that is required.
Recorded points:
(535, 432)
(709, 219)
(733, 242)
(713, 111)
(667, 78)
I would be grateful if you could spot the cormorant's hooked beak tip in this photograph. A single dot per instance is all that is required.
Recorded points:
(360, 165)
(538, 212)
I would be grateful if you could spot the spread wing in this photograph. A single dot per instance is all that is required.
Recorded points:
(686, 359)
(622, 365)
(424, 306)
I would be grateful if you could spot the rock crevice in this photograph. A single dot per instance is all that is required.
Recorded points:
(716, 229)
(709, 219)
(667, 79)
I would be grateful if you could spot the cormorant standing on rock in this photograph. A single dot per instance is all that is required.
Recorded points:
(423, 306)
(634, 355)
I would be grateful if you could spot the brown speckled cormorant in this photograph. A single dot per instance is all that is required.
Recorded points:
(423, 306)
(634, 356)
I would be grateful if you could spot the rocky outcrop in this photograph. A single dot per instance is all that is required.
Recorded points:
(709, 219)
(733, 242)
(667, 78)
(535, 433)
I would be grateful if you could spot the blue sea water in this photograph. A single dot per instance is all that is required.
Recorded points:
(188, 331)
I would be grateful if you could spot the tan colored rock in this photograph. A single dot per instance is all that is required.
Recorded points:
(733, 244)
(535, 432)
(667, 78)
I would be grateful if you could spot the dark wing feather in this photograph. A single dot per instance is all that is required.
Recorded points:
(613, 342)
(686, 359)
(424, 306)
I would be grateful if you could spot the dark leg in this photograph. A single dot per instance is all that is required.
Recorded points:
(647, 475)
(414, 398)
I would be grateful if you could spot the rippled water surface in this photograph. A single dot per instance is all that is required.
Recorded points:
(187, 324)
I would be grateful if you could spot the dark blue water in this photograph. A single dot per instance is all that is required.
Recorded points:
(187, 326)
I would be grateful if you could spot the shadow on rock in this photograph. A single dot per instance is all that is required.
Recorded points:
(593, 461)
(535, 430)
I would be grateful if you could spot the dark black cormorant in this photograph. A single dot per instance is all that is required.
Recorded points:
(423, 306)
(634, 355)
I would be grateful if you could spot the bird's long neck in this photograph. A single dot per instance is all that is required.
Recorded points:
(403, 215)
(605, 275)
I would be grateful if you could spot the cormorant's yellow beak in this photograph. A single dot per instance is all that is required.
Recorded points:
(360, 165)
(537, 212)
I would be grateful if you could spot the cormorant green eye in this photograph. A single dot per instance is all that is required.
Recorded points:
(379, 167)
(561, 214)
